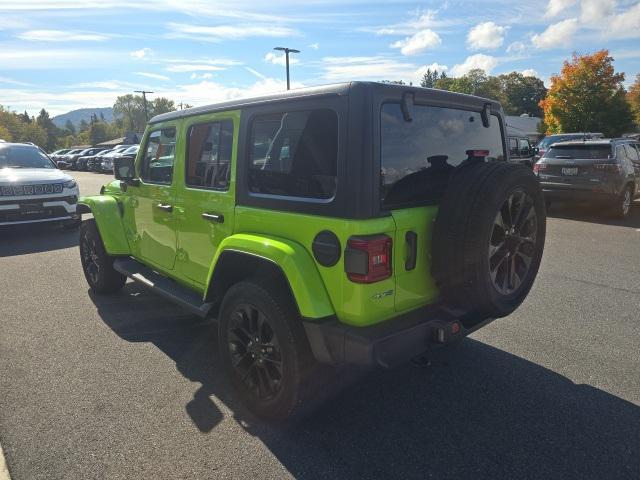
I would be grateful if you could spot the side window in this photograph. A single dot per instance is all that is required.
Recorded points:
(513, 147)
(621, 154)
(524, 146)
(209, 150)
(294, 154)
(159, 154)
(632, 153)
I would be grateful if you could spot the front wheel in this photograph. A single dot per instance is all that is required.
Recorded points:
(97, 265)
(264, 351)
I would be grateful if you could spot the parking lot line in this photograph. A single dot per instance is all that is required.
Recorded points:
(4, 470)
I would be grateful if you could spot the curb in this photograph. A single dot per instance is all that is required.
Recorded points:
(4, 470)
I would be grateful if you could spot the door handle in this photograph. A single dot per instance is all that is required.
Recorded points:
(213, 217)
(166, 208)
(412, 246)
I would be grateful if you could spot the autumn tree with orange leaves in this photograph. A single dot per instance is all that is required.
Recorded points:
(634, 100)
(588, 96)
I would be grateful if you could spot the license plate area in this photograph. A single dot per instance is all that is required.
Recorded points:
(570, 171)
(32, 209)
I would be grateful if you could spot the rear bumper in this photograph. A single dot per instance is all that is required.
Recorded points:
(389, 343)
(578, 196)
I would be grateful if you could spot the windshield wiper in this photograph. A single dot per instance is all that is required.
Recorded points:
(14, 166)
(567, 157)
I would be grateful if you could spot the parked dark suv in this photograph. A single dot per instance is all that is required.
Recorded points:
(604, 171)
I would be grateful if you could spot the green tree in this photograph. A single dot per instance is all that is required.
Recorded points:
(70, 127)
(83, 127)
(161, 105)
(98, 133)
(44, 121)
(131, 107)
(34, 133)
(5, 134)
(522, 94)
(589, 96)
(634, 100)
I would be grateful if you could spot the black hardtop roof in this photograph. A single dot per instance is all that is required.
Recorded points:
(338, 89)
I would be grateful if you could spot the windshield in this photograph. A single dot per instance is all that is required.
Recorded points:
(13, 156)
(588, 152)
(418, 157)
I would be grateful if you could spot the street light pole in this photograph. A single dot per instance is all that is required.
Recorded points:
(144, 101)
(287, 51)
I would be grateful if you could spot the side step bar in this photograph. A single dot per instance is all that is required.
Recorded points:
(162, 285)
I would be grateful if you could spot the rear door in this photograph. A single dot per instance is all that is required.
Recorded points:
(207, 199)
(417, 160)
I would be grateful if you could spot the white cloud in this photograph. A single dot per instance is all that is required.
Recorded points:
(220, 33)
(315, 46)
(418, 43)
(625, 24)
(595, 11)
(374, 68)
(155, 76)
(529, 72)
(106, 85)
(516, 48)
(11, 81)
(554, 7)
(421, 20)
(142, 53)
(486, 36)
(279, 59)
(61, 36)
(201, 76)
(16, 58)
(557, 35)
(193, 67)
(434, 67)
(479, 60)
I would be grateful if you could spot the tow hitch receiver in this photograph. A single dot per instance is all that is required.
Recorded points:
(446, 332)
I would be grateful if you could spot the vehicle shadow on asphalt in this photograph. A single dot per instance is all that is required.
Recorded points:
(35, 238)
(478, 412)
(594, 214)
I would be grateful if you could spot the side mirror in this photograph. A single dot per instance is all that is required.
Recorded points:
(124, 170)
(535, 151)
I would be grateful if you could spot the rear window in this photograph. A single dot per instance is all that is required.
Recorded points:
(294, 154)
(418, 157)
(586, 152)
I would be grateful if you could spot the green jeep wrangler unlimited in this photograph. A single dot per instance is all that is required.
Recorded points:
(353, 224)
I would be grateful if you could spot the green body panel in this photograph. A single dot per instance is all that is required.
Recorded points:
(199, 238)
(106, 212)
(296, 263)
(353, 303)
(415, 287)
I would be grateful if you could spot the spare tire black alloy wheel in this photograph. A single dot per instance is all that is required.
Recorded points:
(513, 240)
(255, 351)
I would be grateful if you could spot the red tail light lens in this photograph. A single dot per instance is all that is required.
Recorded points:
(539, 166)
(368, 259)
(607, 168)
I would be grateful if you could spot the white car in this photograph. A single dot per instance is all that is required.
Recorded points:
(33, 190)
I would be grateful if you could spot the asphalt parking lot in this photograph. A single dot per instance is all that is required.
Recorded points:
(127, 386)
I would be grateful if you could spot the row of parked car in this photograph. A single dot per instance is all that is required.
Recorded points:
(94, 159)
(586, 168)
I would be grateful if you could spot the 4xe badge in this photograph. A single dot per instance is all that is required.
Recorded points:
(381, 295)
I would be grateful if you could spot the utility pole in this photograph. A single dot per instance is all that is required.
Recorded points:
(287, 51)
(144, 100)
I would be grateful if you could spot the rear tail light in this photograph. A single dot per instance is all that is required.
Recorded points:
(539, 166)
(368, 259)
(607, 168)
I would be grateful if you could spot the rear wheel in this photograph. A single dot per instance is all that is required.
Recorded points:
(623, 205)
(97, 265)
(264, 351)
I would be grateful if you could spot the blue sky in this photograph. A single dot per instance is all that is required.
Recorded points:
(67, 54)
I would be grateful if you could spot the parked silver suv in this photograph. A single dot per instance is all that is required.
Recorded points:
(604, 171)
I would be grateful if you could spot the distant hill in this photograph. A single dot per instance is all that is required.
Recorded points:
(76, 116)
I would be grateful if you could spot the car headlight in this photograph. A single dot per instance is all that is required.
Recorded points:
(70, 184)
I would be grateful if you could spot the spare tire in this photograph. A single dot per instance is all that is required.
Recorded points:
(488, 238)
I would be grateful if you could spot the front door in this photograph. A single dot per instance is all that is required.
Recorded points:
(150, 209)
(207, 201)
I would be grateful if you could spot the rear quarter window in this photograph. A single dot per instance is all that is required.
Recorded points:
(418, 157)
(586, 152)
